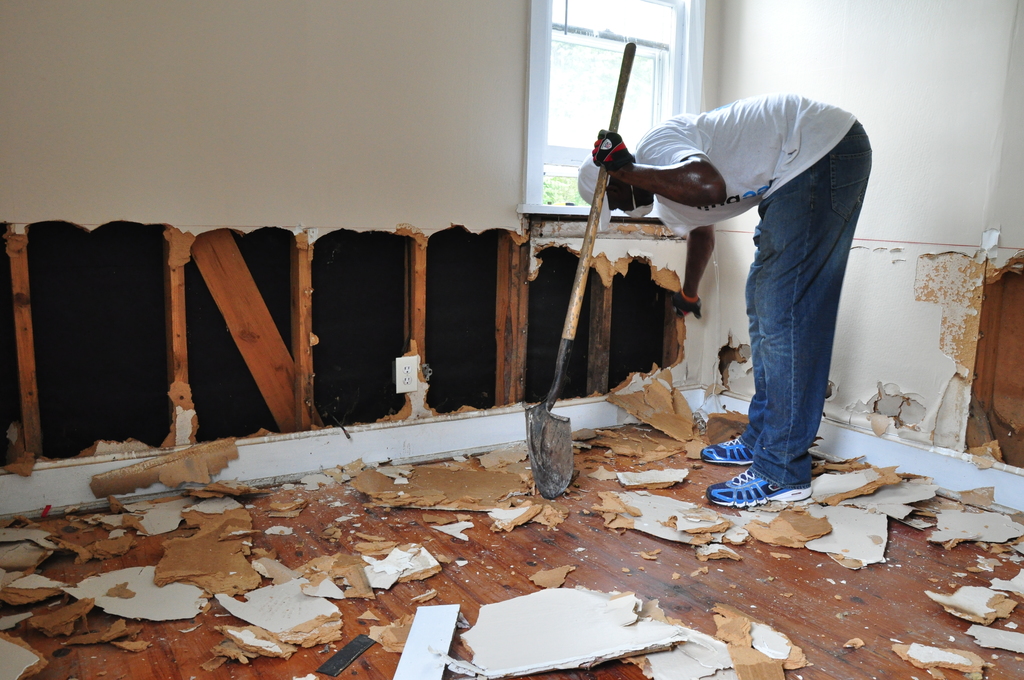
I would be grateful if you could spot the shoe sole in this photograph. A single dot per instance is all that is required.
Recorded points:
(787, 497)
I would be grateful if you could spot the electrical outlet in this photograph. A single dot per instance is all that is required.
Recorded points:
(406, 376)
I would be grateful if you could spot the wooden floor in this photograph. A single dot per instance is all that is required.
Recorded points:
(830, 604)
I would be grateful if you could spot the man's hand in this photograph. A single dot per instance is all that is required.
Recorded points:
(611, 152)
(686, 305)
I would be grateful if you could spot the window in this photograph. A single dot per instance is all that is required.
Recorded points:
(575, 53)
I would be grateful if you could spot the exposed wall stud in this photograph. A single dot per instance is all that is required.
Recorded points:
(600, 339)
(302, 330)
(177, 253)
(511, 315)
(17, 250)
(416, 290)
(249, 321)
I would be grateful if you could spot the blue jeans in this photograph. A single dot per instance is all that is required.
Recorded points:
(803, 242)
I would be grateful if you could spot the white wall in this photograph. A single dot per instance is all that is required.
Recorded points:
(939, 86)
(362, 115)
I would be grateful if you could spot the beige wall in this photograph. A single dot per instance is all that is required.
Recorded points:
(362, 115)
(938, 86)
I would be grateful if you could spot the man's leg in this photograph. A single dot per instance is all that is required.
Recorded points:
(793, 295)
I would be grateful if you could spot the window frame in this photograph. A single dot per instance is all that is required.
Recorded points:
(685, 82)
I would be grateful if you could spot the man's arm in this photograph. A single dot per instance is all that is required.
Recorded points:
(694, 181)
(699, 244)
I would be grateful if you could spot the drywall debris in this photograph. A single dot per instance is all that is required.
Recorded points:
(315, 481)
(895, 500)
(288, 613)
(955, 282)
(660, 405)
(651, 479)
(504, 457)
(118, 629)
(902, 410)
(1014, 585)
(528, 634)
(440, 488)
(9, 622)
(923, 656)
(22, 556)
(214, 558)
(392, 637)
(974, 603)
(956, 526)
(194, 464)
(40, 537)
(184, 422)
(997, 639)
(17, 659)
(224, 487)
(278, 530)
(853, 643)
(858, 537)
(160, 516)
(455, 530)
(642, 443)
(150, 602)
(833, 489)
(729, 360)
(725, 426)
(214, 506)
(701, 656)
(274, 570)
(61, 621)
(791, 528)
(757, 650)
(257, 641)
(29, 589)
(321, 585)
(425, 597)
(602, 473)
(552, 578)
(429, 638)
(405, 563)
(664, 517)
(716, 551)
(510, 518)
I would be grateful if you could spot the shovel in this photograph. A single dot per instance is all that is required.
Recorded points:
(549, 437)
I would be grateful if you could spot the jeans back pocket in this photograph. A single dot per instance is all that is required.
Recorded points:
(850, 173)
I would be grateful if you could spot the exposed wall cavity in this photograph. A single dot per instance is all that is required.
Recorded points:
(891, 407)
(730, 361)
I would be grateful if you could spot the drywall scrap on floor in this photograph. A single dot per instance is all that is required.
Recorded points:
(441, 488)
(757, 650)
(291, 615)
(528, 634)
(194, 464)
(857, 539)
(404, 563)
(643, 444)
(131, 593)
(974, 603)
(925, 657)
(18, 660)
(700, 656)
(1014, 585)
(29, 589)
(661, 516)
(997, 639)
(652, 479)
(426, 648)
(658, 404)
(895, 500)
(832, 488)
(956, 526)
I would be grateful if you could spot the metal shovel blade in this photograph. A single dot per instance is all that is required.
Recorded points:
(549, 441)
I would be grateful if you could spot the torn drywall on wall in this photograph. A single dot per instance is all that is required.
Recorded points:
(612, 256)
(733, 363)
(955, 282)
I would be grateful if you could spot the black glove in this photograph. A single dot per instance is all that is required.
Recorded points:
(610, 151)
(684, 306)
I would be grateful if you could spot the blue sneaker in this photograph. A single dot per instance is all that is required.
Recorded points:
(732, 452)
(747, 490)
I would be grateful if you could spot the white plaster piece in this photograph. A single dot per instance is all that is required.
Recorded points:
(528, 634)
(737, 534)
(326, 588)
(214, 506)
(8, 622)
(159, 518)
(968, 602)
(274, 570)
(928, 655)
(857, 535)
(455, 529)
(505, 516)
(38, 536)
(278, 608)
(248, 637)
(651, 477)
(1014, 585)
(398, 564)
(832, 483)
(713, 549)
(278, 531)
(994, 638)
(35, 581)
(769, 641)
(990, 527)
(429, 639)
(656, 510)
(172, 602)
(895, 499)
(22, 555)
(702, 656)
(15, 660)
(315, 481)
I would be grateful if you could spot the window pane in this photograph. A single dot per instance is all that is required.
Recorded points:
(631, 18)
(583, 81)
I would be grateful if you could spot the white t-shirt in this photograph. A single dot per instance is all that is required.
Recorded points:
(757, 144)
